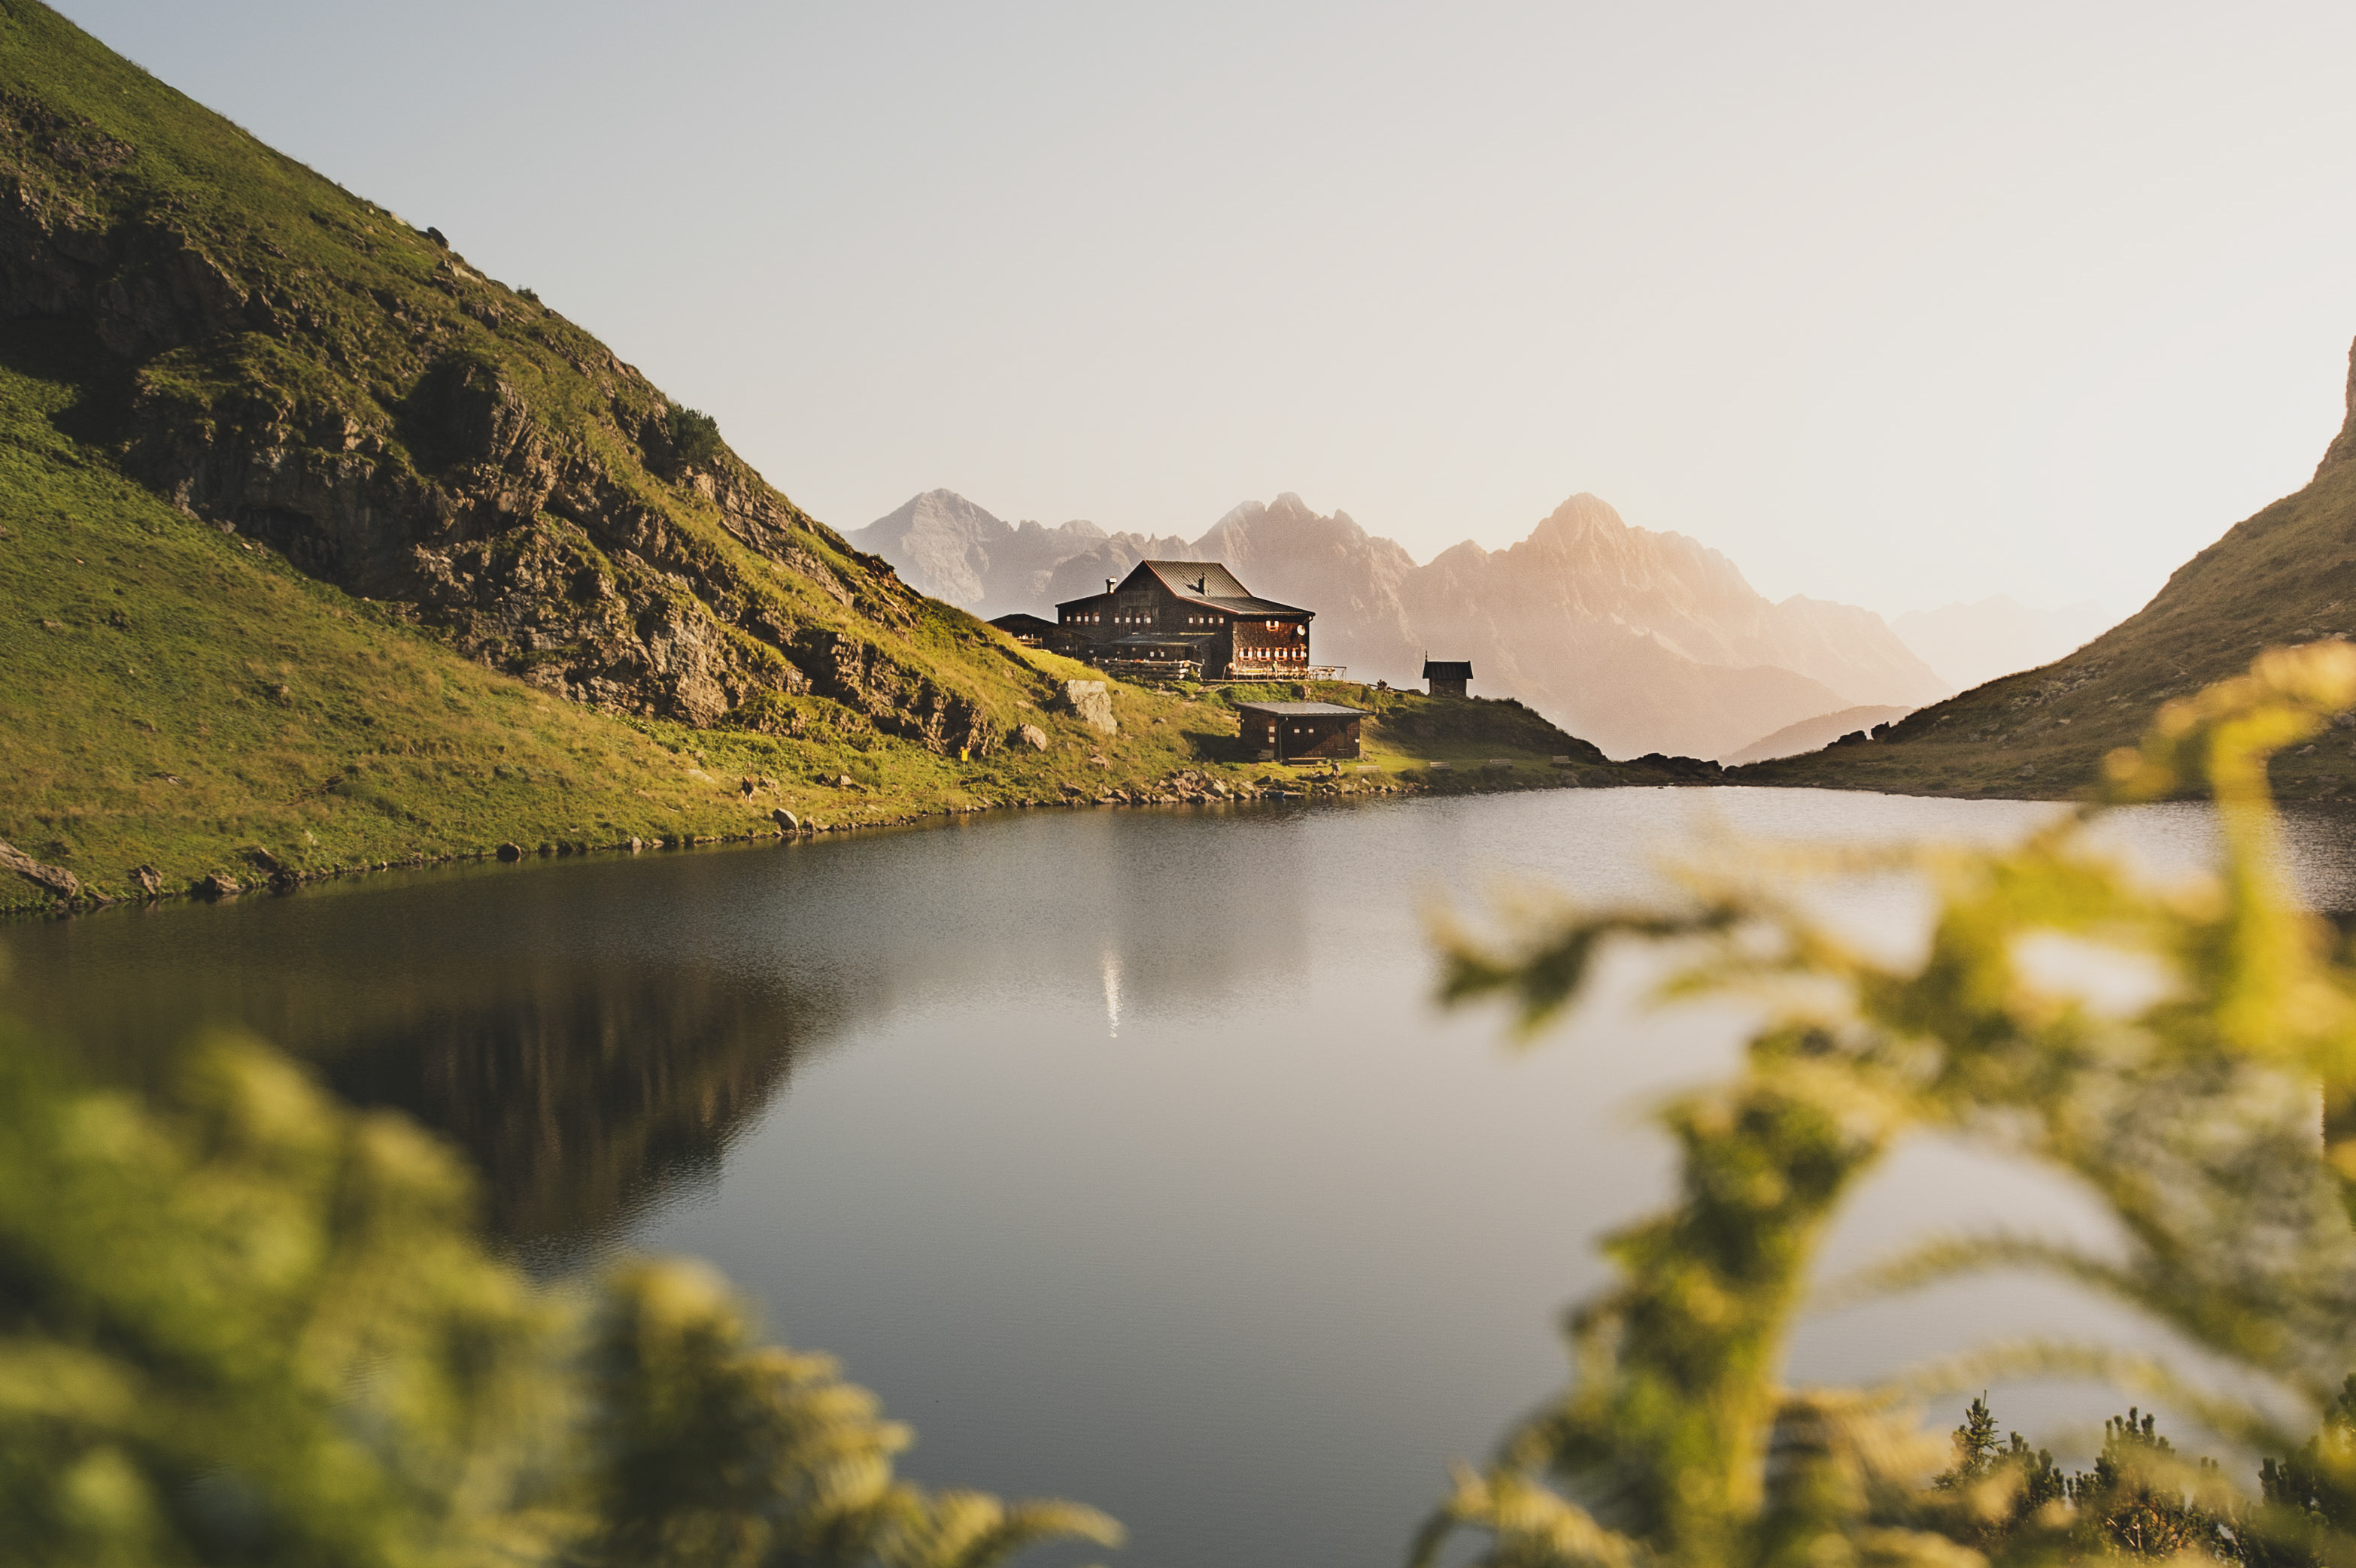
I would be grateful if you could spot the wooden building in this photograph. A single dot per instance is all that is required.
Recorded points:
(1030, 631)
(1447, 677)
(1190, 619)
(1300, 732)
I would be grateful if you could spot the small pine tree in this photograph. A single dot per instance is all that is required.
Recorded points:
(2008, 1482)
(2142, 1500)
(1977, 1451)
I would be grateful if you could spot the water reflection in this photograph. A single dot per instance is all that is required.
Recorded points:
(584, 1083)
(1247, 1280)
(582, 1096)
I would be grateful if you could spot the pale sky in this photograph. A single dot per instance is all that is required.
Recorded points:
(1892, 304)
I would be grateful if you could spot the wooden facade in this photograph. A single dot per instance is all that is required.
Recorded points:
(1447, 677)
(1300, 732)
(1188, 619)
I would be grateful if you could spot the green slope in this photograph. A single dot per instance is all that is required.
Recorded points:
(323, 552)
(2287, 575)
(280, 357)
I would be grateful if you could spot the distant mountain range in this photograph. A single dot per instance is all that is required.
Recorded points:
(1639, 641)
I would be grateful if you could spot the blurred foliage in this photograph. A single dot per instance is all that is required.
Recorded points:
(2189, 1111)
(245, 1325)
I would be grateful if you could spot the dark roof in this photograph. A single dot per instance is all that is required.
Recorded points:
(1448, 669)
(1302, 709)
(1220, 589)
(1021, 620)
(1196, 578)
(1248, 606)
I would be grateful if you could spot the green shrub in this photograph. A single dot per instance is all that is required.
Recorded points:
(2192, 1116)
(694, 437)
(243, 1324)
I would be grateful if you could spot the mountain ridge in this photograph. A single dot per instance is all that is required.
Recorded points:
(1640, 641)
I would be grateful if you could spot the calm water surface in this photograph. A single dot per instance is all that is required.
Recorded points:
(1121, 1152)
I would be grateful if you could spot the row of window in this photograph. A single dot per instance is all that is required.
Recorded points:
(1097, 620)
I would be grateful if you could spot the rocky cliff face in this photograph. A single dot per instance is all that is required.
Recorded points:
(291, 363)
(1650, 640)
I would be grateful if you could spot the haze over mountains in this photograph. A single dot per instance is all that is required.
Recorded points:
(1970, 644)
(1639, 641)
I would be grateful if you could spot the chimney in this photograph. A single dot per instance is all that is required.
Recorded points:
(1108, 582)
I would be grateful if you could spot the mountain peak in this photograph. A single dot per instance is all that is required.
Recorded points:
(2343, 446)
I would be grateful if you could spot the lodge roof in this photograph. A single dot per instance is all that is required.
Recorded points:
(1302, 709)
(1020, 621)
(1204, 582)
(1208, 583)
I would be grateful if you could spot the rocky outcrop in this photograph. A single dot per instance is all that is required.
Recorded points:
(2343, 446)
(342, 388)
(54, 879)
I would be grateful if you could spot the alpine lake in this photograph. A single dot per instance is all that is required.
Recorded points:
(1122, 1152)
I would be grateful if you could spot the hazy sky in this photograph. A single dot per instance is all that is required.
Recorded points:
(1894, 304)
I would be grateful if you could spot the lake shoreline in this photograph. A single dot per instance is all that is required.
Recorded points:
(38, 901)
(1318, 789)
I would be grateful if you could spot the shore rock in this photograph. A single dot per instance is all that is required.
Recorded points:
(1033, 736)
(510, 852)
(56, 879)
(786, 820)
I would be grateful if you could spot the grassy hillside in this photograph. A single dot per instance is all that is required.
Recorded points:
(2287, 575)
(277, 357)
(320, 551)
(184, 700)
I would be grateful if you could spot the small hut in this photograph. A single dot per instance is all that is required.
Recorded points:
(1299, 731)
(1447, 677)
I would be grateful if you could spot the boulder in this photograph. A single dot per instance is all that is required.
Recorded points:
(219, 886)
(150, 881)
(786, 820)
(510, 852)
(1091, 703)
(1033, 736)
(56, 879)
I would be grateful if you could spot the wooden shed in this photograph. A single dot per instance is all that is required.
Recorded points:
(1300, 732)
(1447, 677)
